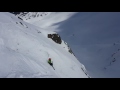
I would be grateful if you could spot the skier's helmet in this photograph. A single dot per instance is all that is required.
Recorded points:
(49, 58)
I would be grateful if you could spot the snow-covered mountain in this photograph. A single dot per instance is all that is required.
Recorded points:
(25, 49)
(93, 36)
(32, 16)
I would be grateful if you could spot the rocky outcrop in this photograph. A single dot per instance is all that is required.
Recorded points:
(55, 37)
(69, 49)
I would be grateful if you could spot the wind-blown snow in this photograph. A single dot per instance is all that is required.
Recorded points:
(25, 49)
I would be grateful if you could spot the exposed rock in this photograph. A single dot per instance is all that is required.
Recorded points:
(55, 37)
(20, 18)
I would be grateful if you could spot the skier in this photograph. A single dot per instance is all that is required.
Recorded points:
(51, 63)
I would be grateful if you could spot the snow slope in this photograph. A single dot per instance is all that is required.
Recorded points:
(95, 40)
(93, 36)
(32, 16)
(25, 49)
(47, 20)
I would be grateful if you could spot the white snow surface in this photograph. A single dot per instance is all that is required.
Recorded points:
(25, 49)
(93, 36)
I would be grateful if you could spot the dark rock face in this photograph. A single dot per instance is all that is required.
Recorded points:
(20, 18)
(55, 37)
